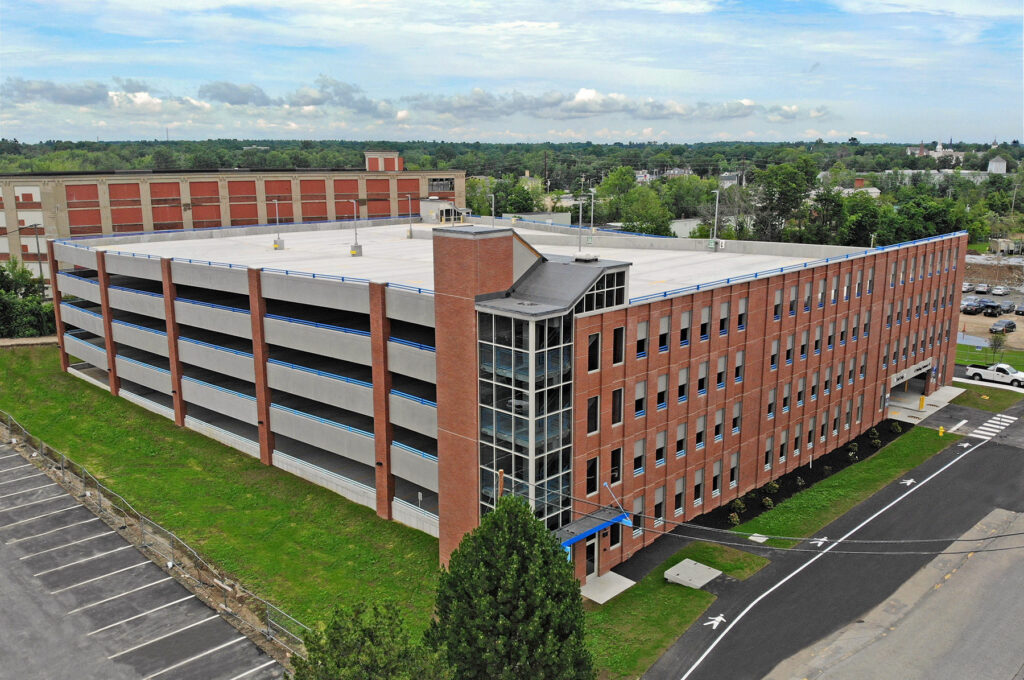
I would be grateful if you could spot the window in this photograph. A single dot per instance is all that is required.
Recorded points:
(855, 327)
(817, 340)
(846, 286)
(814, 386)
(659, 506)
(807, 296)
(888, 315)
(834, 297)
(785, 397)
(705, 322)
(741, 315)
(849, 372)
(684, 382)
(615, 470)
(796, 442)
(771, 403)
(617, 406)
(821, 292)
(641, 339)
(680, 497)
(769, 450)
(783, 443)
(892, 275)
(701, 423)
(659, 448)
(839, 376)
(698, 487)
(719, 424)
(618, 345)
(773, 359)
(789, 350)
(917, 306)
(594, 352)
(640, 404)
(793, 291)
(842, 332)
(867, 323)
(614, 535)
(639, 448)
(684, 329)
(824, 418)
(803, 345)
(835, 421)
(662, 392)
(885, 356)
(860, 407)
(737, 417)
(436, 184)
(860, 282)
(738, 370)
(720, 373)
(871, 279)
(723, 318)
(680, 440)
(638, 517)
(734, 470)
(777, 308)
(810, 433)
(800, 385)
(591, 476)
(702, 378)
(831, 333)
(663, 334)
(848, 419)
(593, 414)
(828, 379)
(716, 478)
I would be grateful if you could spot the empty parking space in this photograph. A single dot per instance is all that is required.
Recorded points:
(94, 595)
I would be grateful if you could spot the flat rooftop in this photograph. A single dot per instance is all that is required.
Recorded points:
(389, 255)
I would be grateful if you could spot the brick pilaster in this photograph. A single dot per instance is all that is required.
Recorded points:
(103, 278)
(380, 330)
(52, 260)
(170, 293)
(260, 354)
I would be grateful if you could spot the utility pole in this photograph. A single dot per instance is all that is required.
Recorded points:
(583, 179)
(546, 170)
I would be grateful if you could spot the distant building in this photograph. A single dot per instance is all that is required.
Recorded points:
(645, 176)
(939, 152)
(997, 165)
(728, 179)
(678, 172)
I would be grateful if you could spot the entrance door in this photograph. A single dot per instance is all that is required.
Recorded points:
(592, 556)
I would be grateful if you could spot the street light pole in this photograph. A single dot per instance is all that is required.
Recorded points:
(356, 250)
(579, 235)
(491, 196)
(714, 229)
(408, 197)
(593, 192)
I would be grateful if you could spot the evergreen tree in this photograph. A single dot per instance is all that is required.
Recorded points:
(366, 642)
(508, 605)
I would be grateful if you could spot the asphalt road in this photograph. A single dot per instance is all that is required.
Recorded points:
(802, 597)
(79, 601)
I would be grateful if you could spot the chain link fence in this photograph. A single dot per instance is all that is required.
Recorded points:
(279, 634)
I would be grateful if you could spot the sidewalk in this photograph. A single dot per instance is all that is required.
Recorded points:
(28, 342)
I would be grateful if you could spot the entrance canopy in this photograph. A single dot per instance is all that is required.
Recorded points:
(585, 527)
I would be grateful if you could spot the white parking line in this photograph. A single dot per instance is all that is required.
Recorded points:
(34, 488)
(41, 500)
(164, 636)
(97, 578)
(45, 514)
(132, 618)
(81, 540)
(736, 619)
(197, 656)
(85, 559)
(258, 668)
(957, 426)
(16, 467)
(9, 455)
(114, 597)
(15, 481)
(51, 531)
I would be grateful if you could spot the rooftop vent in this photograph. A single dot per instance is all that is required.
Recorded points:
(585, 257)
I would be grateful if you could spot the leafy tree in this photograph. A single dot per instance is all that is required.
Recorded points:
(520, 200)
(643, 212)
(23, 313)
(996, 342)
(366, 642)
(685, 195)
(164, 159)
(781, 190)
(508, 605)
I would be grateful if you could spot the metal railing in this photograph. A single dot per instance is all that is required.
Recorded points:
(413, 289)
(313, 275)
(243, 608)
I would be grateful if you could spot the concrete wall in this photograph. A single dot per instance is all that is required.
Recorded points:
(83, 257)
(329, 293)
(153, 378)
(404, 305)
(78, 287)
(86, 351)
(231, 439)
(76, 316)
(328, 437)
(323, 341)
(141, 267)
(213, 318)
(219, 401)
(147, 404)
(320, 388)
(410, 517)
(355, 492)
(414, 416)
(413, 467)
(412, 361)
(140, 303)
(201, 275)
(149, 340)
(228, 363)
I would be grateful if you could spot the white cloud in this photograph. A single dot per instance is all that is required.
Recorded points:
(960, 8)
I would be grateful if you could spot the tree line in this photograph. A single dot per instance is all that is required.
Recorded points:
(23, 311)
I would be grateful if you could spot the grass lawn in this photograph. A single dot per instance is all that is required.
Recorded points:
(298, 545)
(986, 397)
(967, 354)
(805, 513)
(978, 248)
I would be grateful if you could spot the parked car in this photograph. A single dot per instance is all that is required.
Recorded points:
(972, 309)
(1003, 326)
(988, 302)
(981, 288)
(1003, 373)
(1008, 307)
(1000, 290)
(1019, 311)
(992, 311)
(966, 287)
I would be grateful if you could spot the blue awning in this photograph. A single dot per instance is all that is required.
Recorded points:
(588, 525)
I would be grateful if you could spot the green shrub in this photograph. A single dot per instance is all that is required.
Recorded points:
(800, 482)
(767, 502)
(877, 443)
(738, 506)
(895, 427)
(734, 519)
(771, 487)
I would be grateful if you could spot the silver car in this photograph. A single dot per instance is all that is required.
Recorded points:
(1000, 290)
(981, 288)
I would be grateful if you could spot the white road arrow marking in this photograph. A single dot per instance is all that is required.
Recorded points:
(715, 621)
(907, 482)
(965, 445)
(818, 542)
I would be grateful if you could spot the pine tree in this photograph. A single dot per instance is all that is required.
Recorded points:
(508, 605)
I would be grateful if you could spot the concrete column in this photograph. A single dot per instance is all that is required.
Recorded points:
(108, 325)
(263, 212)
(56, 304)
(362, 207)
(103, 196)
(260, 354)
(146, 199)
(225, 205)
(393, 197)
(185, 194)
(297, 215)
(379, 332)
(332, 212)
(170, 293)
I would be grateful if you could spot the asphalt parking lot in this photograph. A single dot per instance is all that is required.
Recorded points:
(79, 601)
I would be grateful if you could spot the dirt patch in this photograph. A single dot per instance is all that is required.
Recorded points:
(978, 325)
(995, 272)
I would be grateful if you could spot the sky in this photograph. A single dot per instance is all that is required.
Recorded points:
(525, 71)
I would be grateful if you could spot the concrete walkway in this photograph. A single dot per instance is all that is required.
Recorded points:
(906, 406)
(28, 342)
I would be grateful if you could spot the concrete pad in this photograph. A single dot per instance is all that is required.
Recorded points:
(600, 589)
(692, 574)
(757, 538)
(906, 406)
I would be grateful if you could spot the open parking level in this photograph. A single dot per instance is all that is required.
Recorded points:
(78, 601)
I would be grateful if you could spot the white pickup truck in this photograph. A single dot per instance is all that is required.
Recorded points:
(1002, 373)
